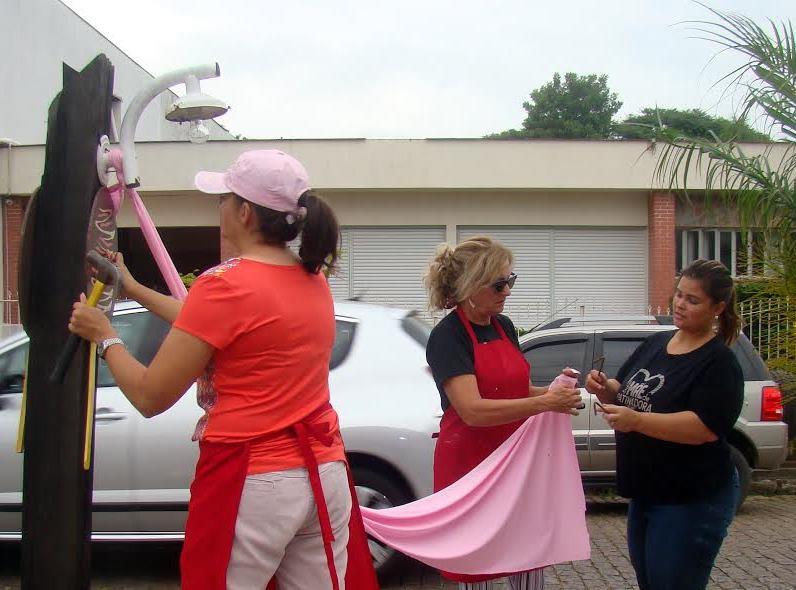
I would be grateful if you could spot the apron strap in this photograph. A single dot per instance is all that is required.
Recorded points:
(499, 327)
(303, 431)
(469, 328)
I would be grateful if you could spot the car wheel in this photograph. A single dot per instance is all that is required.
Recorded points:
(744, 474)
(378, 492)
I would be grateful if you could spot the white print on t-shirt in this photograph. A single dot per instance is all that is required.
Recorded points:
(638, 390)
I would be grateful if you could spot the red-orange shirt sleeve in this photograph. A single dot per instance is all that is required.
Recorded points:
(209, 311)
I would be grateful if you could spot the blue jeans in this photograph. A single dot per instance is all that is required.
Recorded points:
(674, 546)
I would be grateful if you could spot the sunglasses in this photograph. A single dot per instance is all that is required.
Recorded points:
(498, 286)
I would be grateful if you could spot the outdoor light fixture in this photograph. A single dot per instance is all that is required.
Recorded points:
(194, 106)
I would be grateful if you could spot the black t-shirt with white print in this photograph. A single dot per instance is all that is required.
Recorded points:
(449, 351)
(707, 381)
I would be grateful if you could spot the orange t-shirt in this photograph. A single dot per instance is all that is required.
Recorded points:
(273, 329)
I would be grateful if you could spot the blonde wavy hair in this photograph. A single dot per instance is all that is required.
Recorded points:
(454, 274)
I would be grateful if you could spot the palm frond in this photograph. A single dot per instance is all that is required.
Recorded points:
(760, 186)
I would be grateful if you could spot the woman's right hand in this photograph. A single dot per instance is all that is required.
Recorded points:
(127, 279)
(596, 382)
(563, 399)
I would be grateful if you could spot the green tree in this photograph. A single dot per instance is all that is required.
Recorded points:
(574, 108)
(690, 123)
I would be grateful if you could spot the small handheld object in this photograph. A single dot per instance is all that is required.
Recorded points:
(598, 407)
(107, 274)
(569, 378)
(597, 365)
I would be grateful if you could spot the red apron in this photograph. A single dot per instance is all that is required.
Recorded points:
(213, 509)
(501, 372)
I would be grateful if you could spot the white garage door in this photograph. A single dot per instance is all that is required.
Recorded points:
(566, 271)
(386, 264)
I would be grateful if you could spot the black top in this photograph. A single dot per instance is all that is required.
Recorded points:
(449, 351)
(707, 381)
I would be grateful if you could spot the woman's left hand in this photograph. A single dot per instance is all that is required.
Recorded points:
(90, 323)
(621, 418)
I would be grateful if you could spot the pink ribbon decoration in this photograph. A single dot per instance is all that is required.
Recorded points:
(151, 235)
(522, 508)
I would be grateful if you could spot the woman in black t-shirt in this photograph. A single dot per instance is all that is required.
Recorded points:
(672, 405)
(482, 377)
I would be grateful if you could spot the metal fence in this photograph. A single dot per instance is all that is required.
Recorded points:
(769, 325)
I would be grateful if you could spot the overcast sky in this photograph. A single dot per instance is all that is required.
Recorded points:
(420, 68)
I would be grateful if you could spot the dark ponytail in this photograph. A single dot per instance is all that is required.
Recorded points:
(320, 234)
(718, 285)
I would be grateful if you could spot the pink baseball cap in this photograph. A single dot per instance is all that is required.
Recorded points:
(270, 178)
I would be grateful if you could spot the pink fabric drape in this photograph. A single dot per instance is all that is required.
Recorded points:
(522, 508)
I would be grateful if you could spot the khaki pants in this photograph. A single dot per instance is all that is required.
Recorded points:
(277, 531)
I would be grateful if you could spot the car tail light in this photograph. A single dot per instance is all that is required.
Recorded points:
(772, 404)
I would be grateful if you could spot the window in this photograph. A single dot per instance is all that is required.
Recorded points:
(142, 334)
(547, 358)
(344, 337)
(734, 248)
(617, 351)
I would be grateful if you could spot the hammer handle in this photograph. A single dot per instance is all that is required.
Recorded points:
(68, 351)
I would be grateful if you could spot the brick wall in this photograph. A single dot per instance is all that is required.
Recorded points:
(13, 213)
(662, 269)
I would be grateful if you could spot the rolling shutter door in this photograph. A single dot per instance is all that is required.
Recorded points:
(387, 264)
(561, 269)
(605, 270)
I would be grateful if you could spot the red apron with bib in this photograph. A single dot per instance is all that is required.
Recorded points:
(501, 372)
(213, 510)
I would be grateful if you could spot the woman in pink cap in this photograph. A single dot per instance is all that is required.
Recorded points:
(272, 499)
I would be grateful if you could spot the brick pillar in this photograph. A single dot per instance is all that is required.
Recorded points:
(662, 265)
(13, 213)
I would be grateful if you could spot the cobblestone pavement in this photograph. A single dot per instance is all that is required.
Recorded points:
(760, 553)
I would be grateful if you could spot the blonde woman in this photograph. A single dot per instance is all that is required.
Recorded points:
(482, 377)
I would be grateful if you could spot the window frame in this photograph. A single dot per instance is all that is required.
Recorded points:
(587, 337)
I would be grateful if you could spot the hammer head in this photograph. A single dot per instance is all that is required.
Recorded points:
(107, 273)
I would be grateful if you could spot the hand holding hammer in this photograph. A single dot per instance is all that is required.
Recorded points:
(87, 321)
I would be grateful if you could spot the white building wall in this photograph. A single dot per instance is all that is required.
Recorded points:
(37, 37)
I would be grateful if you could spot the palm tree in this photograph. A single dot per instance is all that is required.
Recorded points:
(761, 185)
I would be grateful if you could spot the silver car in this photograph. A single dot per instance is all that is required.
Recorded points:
(758, 441)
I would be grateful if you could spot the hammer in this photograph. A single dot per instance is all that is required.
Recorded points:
(107, 274)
